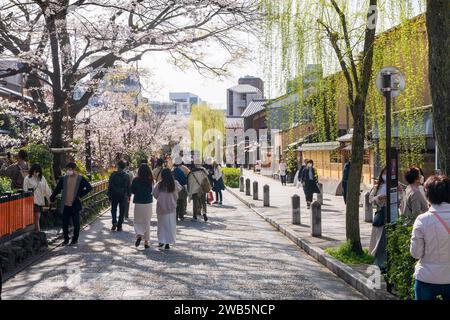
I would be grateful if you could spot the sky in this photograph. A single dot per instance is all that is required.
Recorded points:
(167, 78)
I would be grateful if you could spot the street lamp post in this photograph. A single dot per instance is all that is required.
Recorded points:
(87, 133)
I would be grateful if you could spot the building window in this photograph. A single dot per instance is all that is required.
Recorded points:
(244, 96)
(335, 157)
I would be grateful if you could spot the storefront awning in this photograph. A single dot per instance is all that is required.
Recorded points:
(323, 146)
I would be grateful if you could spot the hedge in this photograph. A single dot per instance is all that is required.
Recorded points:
(231, 177)
(400, 263)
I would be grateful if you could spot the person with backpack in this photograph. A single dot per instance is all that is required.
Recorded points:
(17, 171)
(180, 176)
(198, 187)
(73, 187)
(166, 192)
(119, 190)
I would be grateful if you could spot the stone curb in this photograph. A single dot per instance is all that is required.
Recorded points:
(343, 271)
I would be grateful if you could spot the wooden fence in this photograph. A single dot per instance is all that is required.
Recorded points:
(16, 212)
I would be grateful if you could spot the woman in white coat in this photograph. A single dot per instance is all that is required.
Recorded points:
(430, 243)
(36, 182)
(166, 193)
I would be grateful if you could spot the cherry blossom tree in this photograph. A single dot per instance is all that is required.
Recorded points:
(70, 45)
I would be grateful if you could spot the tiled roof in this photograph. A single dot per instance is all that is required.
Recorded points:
(234, 122)
(244, 88)
(323, 146)
(254, 107)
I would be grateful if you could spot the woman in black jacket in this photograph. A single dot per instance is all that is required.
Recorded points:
(309, 181)
(141, 188)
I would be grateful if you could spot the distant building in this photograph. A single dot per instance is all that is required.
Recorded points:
(254, 82)
(185, 101)
(239, 97)
(164, 107)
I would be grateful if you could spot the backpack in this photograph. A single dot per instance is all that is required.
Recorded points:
(118, 184)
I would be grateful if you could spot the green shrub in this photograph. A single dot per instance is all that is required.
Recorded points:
(231, 177)
(400, 263)
(5, 185)
(345, 254)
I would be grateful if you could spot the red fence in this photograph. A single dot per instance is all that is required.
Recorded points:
(16, 212)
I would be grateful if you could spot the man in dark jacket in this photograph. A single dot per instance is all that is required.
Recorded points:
(16, 171)
(119, 191)
(73, 187)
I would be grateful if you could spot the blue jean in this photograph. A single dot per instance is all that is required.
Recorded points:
(428, 291)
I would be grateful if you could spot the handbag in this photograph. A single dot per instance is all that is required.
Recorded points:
(210, 197)
(379, 218)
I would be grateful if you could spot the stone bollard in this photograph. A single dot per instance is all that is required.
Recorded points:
(316, 219)
(266, 190)
(241, 184)
(241, 171)
(247, 187)
(320, 195)
(255, 190)
(368, 208)
(296, 217)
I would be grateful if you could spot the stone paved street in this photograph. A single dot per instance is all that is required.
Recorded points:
(333, 212)
(236, 255)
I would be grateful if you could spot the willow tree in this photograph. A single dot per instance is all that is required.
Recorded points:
(438, 26)
(68, 46)
(332, 27)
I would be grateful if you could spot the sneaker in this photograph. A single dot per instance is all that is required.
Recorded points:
(194, 217)
(205, 217)
(146, 246)
(74, 243)
(114, 227)
(138, 241)
(220, 202)
(119, 228)
(215, 202)
(160, 245)
(65, 243)
(167, 247)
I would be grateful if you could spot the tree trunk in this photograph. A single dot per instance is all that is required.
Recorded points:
(57, 142)
(354, 181)
(438, 26)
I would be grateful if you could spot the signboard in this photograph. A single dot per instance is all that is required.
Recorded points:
(394, 185)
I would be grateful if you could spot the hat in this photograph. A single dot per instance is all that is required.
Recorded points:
(177, 161)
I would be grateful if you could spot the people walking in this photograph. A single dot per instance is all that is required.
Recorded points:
(157, 170)
(166, 193)
(73, 188)
(345, 174)
(378, 241)
(198, 187)
(309, 181)
(218, 184)
(16, 171)
(299, 174)
(414, 202)
(430, 243)
(36, 183)
(180, 173)
(283, 171)
(141, 188)
(208, 166)
(119, 191)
